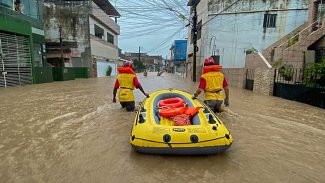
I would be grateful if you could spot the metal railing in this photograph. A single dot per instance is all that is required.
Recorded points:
(297, 35)
(313, 78)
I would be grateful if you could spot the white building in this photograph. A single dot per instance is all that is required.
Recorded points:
(89, 34)
(104, 33)
(246, 25)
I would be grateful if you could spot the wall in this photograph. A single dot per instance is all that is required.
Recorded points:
(241, 27)
(235, 77)
(180, 50)
(253, 61)
(103, 17)
(264, 81)
(92, 21)
(75, 30)
(103, 49)
(43, 75)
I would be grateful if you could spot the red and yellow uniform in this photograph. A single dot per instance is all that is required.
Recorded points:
(126, 83)
(212, 83)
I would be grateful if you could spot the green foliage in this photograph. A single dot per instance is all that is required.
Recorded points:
(109, 71)
(293, 40)
(138, 66)
(250, 50)
(286, 71)
(314, 74)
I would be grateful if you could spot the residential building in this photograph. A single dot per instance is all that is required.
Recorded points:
(178, 55)
(22, 44)
(89, 37)
(246, 25)
(154, 62)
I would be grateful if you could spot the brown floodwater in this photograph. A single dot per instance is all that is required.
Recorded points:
(71, 132)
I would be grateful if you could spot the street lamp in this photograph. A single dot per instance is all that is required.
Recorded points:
(193, 4)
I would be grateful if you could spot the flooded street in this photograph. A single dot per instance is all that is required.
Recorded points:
(71, 132)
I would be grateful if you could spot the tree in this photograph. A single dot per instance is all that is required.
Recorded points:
(138, 65)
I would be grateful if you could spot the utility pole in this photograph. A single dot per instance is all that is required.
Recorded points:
(194, 31)
(61, 46)
(139, 57)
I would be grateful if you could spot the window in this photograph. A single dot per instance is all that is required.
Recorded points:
(269, 21)
(99, 32)
(110, 38)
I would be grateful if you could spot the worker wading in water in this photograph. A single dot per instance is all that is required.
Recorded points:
(212, 82)
(125, 83)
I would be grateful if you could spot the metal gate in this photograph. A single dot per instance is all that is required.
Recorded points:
(15, 61)
(249, 84)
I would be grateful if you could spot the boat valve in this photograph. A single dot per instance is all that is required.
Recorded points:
(194, 139)
(166, 138)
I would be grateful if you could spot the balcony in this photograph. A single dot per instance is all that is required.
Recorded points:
(102, 15)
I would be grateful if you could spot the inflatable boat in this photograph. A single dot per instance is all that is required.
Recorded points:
(156, 134)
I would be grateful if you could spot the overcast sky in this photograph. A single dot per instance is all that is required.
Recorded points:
(151, 24)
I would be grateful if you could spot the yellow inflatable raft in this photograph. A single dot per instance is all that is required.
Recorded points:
(154, 134)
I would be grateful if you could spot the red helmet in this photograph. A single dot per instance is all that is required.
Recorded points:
(128, 64)
(209, 61)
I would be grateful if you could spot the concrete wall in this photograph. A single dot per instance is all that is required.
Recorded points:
(241, 27)
(235, 77)
(105, 19)
(103, 49)
(75, 30)
(263, 81)
(93, 20)
(254, 61)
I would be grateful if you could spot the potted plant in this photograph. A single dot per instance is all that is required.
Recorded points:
(286, 72)
(250, 51)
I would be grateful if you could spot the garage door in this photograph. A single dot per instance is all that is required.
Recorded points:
(102, 66)
(15, 61)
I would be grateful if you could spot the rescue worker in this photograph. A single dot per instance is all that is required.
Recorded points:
(212, 83)
(125, 83)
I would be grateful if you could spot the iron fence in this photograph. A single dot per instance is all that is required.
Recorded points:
(313, 78)
(302, 85)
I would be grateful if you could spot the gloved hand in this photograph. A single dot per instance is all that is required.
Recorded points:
(194, 97)
(147, 95)
(226, 102)
(114, 100)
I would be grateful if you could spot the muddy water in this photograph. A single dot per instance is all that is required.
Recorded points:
(71, 132)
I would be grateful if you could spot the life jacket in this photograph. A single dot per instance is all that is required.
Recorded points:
(171, 112)
(172, 103)
(191, 111)
(209, 68)
(127, 70)
(125, 79)
(214, 85)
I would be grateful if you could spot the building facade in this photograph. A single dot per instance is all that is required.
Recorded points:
(22, 44)
(88, 38)
(151, 62)
(247, 25)
(178, 55)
